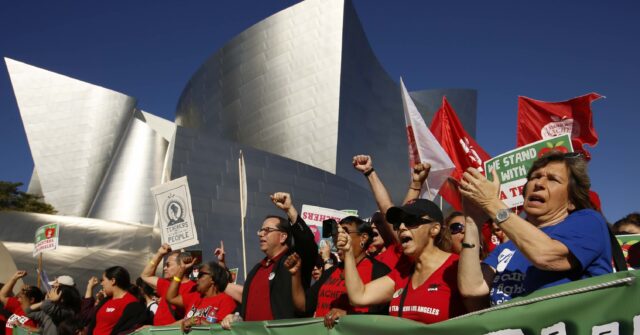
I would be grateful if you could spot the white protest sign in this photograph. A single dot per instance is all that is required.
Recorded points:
(173, 202)
(46, 238)
(513, 166)
(314, 215)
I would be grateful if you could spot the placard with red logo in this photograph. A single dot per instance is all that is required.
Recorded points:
(46, 238)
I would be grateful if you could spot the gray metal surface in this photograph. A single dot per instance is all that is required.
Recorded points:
(73, 129)
(86, 246)
(138, 165)
(275, 86)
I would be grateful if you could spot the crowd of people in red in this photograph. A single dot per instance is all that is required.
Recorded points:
(407, 260)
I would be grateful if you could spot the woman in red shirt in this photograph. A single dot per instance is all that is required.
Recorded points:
(17, 305)
(120, 311)
(209, 304)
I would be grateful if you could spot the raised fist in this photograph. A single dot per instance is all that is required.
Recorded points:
(282, 200)
(293, 263)
(362, 163)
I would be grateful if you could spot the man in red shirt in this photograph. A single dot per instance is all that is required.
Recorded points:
(16, 305)
(166, 313)
(267, 291)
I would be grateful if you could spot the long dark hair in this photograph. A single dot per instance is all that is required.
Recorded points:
(70, 300)
(121, 276)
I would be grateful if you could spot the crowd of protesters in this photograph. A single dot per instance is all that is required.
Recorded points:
(408, 260)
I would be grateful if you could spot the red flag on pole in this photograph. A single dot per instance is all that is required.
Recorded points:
(460, 147)
(538, 120)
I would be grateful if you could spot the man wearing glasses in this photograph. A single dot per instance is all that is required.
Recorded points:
(267, 291)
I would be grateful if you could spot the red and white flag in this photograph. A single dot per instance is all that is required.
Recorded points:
(539, 120)
(460, 146)
(424, 148)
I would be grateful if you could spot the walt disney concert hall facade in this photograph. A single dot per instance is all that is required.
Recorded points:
(300, 93)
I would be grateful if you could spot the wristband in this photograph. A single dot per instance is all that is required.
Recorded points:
(468, 245)
(415, 189)
(152, 262)
(176, 279)
(367, 173)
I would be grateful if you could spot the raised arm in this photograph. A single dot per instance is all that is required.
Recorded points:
(376, 292)
(294, 264)
(283, 201)
(419, 174)
(364, 164)
(8, 286)
(542, 251)
(93, 281)
(219, 253)
(148, 274)
(172, 292)
(474, 277)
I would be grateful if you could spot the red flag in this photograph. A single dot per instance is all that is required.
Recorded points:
(538, 120)
(461, 148)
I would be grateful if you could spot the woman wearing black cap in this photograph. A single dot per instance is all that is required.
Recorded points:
(423, 285)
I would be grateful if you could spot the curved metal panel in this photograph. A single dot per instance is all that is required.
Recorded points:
(73, 129)
(125, 194)
(275, 86)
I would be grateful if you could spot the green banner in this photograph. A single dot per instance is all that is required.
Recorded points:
(512, 166)
(601, 305)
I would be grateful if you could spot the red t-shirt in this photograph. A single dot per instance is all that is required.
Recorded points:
(163, 314)
(437, 299)
(333, 292)
(109, 314)
(210, 309)
(259, 297)
(390, 256)
(18, 317)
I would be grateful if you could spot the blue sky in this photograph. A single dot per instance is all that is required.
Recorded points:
(547, 50)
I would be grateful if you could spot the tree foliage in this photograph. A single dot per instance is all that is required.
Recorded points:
(12, 199)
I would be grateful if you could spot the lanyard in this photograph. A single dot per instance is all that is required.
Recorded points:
(404, 293)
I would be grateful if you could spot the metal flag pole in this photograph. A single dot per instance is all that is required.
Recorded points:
(243, 209)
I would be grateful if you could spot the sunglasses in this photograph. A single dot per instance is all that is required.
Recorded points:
(411, 223)
(456, 228)
(201, 274)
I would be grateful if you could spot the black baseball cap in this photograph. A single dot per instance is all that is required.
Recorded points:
(414, 210)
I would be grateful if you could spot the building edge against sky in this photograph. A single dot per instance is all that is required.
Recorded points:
(300, 93)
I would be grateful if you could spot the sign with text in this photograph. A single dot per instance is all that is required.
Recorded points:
(173, 202)
(512, 166)
(46, 238)
(314, 215)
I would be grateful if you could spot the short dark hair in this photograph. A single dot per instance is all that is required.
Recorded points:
(182, 256)
(33, 292)
(220, 275)
(284, 226)
(632, 219)
(362, 226)
(579, 181)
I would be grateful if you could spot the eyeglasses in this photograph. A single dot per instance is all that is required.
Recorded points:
(411, 223)
(202, 273)
(267, 230)
(456, 228)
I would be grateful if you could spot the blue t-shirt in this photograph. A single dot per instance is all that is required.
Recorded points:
(586, 235)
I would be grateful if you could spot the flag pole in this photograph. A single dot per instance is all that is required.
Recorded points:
(39, 269)
(426, 182)
(243, 208)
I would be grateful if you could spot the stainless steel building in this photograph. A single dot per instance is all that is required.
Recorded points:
(300, 92)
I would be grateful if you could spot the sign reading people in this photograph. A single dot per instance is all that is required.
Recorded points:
(173, 202)
(314, 215)
(46, 238)
(512, 166)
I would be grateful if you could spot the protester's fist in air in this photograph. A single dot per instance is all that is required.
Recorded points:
(420, 172)
(293, 263)
(282, 200)
(362, 163)
(19, 274)
(164, 249)
(219, 253)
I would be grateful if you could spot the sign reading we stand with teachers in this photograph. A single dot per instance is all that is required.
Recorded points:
(512, 166)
